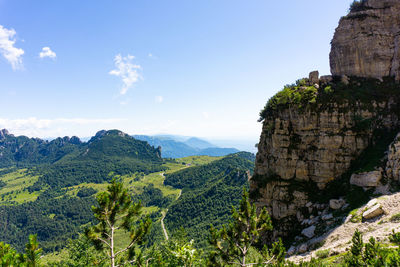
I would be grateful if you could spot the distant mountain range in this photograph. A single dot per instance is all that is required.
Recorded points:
(178, 146)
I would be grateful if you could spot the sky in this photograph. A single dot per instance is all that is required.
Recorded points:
(195, 68)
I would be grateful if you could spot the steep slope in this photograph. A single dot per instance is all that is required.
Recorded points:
(24, 151)
(208, 194)
(108, 152)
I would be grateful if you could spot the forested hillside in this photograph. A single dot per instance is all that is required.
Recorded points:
(48, 188)
(208, 194)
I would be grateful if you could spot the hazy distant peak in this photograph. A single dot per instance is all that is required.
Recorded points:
(198, 143)
(4, 133)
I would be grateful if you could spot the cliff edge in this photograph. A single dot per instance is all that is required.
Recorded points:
(367, 41)
(328, 144)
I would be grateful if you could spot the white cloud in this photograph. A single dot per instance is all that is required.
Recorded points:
(52, 127)
(47, 52)
(206, 115)
(127, 71)
(7, 49)
(159, 99)
(150, 55)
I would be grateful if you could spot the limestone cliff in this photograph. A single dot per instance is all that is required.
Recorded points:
(325, 138)
(317, 134)
(367, 41)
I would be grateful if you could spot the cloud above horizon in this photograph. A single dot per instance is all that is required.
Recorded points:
(7, 49)
(47, 52)
(127, 71)
(46, 127)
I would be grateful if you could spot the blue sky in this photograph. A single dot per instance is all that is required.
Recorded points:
(199, 68)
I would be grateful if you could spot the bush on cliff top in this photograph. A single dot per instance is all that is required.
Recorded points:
(357, 5)
(358, 92)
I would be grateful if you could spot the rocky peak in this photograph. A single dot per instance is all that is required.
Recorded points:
(3, 134)
(103, 133)
(367, 41)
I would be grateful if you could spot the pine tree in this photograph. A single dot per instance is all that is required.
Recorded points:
(232, 244)
(116, 211)
(32, 252)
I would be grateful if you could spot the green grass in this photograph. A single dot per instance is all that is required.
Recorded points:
(16, 186)
(322, 254)
(197, 160)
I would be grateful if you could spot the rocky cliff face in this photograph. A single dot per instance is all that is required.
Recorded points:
(303, 148)
(367, 41)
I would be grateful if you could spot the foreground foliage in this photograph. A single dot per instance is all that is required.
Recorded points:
(31, 258)
(233, 243)
(116, 211)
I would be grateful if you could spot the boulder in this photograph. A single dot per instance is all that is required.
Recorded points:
(371, 203)
(336, 204)
(291, 251)
(309, 232)
(373, 212)
(327, 217)
(366, 179)
(303, 248)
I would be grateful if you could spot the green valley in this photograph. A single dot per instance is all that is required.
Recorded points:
(51, 196)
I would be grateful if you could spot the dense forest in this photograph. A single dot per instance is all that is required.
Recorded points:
(47, 188)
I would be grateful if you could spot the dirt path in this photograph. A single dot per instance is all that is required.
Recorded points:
(164, 213)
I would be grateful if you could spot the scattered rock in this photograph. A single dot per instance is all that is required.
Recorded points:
(373, 212)
(309, 232)
(303, 248)
(366, 179)
(291, 251)
(309, 204)
(327, 217)
(371, 203)
(336, 204)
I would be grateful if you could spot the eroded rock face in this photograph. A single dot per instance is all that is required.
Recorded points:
(393, 163)
(367, 41)
(300, 152)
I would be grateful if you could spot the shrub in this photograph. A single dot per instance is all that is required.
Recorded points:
(395, 218)
(358, 5)
(322, 254)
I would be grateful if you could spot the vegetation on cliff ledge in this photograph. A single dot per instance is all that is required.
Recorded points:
(363, 93)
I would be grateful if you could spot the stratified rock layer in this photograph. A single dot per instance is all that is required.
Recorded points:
(367, 41)
(300, 152)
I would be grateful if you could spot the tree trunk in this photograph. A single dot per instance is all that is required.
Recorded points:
(112, 248)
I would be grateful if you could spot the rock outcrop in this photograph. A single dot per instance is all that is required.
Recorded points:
(367, 41)
(317, 131)
(393, 163)
(301, 151)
